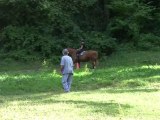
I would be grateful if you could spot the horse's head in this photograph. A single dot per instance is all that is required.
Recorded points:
(72, 53)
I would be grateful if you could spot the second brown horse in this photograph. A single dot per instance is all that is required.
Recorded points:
(88, 56)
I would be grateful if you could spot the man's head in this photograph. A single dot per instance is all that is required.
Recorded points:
(65, 52)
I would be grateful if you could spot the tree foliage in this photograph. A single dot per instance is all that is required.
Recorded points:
(44, 27)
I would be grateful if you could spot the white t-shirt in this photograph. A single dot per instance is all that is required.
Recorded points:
(67, 62)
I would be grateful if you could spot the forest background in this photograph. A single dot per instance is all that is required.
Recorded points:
(40, 29)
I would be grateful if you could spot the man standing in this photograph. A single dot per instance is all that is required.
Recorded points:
(66, 70)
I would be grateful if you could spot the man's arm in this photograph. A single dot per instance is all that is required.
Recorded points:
(62, 67)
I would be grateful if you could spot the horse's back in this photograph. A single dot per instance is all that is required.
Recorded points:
(92, 54)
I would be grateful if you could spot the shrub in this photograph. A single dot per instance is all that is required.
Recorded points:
(101, 42)
(149, 42)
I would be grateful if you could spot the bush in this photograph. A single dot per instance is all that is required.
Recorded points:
(101, 42)
(19, 42)
(149, 42)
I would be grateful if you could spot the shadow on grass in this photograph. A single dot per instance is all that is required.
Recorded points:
(31, 82)
(129, 90)
(117, 77)
(21, 83)
(124, 73)
(108, 108)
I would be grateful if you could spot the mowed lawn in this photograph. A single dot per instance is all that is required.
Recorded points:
(125, 86)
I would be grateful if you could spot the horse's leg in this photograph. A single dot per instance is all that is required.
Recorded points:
(77, 65)
(78, 61)
(94, 64)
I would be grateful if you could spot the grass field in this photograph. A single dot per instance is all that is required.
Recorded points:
(125, 86)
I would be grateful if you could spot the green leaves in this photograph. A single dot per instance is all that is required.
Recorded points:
(129, 20)
(45, 27)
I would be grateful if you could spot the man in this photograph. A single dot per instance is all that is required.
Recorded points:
(66, 70)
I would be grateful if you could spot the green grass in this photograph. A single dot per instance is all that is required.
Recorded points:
(125, 86)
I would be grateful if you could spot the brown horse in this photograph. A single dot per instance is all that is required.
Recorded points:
(90, 55)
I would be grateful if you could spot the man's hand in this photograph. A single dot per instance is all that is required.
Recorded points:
(62, 67)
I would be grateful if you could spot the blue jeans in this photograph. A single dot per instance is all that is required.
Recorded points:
(66, 81)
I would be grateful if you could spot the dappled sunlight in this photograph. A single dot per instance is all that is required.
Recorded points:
(155, 77)
(139, 90)
(55, 74)
(20, 76)
(28, 75)
(125, 70)
(133, 76)
(29, 82)
(84, 73)
(60, 104)
(113, 92)
(151, 66)
(3, 77)
(135, 68)
(17, 76)
(101, 103)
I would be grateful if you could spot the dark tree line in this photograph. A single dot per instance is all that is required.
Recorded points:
(42, 28)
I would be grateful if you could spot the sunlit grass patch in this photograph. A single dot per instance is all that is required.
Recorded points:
(128, 76)
(93, 104)
(3, 77)
(116, 90)
(151, 66)
(83, 73)
(134, 83)
(30, 81)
